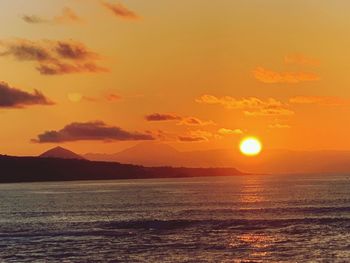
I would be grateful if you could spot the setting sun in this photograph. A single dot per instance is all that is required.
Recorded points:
(250, 146)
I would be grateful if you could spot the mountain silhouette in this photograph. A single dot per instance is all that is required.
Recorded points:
(269, 161)
(146, 153)
(61, 153)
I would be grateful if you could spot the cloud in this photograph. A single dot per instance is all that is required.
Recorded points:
(33, 19)
(120, 11)
(59, 68)
(73, 50)
(196, 136)
(300, 59)
(14, 98)
(224, 131)
(113, 97)
(193, 121)
(25, 50)
(162, 117)
(78, 97)
(269, 76)
(251, 106)
(188, 121)
(201, 133)
(191, 139)
(67, 16)
(90, 131)
(269, 112)
(320, 100)
(163, 135)
(54, 57)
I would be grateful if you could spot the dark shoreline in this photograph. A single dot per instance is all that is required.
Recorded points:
(35, 169)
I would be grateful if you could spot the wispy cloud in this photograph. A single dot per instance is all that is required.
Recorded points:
(191, 138)
(201, 133)
(269, 112)
(67, 16)
(193, 121)
(269, 76)
(188, 121)
(15, 98)
(78, 97)
(225, 131)
(90, 131)
(320, 100)
(121, 11)
(162, 117)
(251, 106)
(54, 57)
(34, 19)
(113, 97)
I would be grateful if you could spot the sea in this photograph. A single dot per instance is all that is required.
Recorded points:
(252, 218)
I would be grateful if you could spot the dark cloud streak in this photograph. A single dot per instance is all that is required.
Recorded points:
(67, 16)
(121, 11)
(90, 131)
(54, 57)
(162, 117)
(33, 19)
(14, 98)
(191, 139)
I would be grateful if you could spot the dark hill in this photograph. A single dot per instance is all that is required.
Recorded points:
(34, 169)
(59, 152)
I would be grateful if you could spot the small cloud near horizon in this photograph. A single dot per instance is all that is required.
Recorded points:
(320, 100)
(193, 121)
(162, 117)
(268, 76)
(191, 139)
(251, 106)
(202, 133)
(187, 121)
(225, 131)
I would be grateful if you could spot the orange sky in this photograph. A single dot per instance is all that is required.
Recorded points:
(196, 74)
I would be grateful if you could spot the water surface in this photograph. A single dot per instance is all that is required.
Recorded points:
(226, 219)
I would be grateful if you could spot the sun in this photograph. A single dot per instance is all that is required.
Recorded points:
(250, 146)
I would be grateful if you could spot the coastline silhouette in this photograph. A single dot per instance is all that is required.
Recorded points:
(39, 169)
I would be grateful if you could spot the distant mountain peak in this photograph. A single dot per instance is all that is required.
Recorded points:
(61, 153)
(145, 153)
(153, 147)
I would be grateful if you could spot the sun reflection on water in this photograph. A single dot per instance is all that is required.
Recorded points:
(252, 191)
(253, 246)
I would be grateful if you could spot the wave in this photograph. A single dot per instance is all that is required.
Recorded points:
(219, 224)
(276, 210)
(122, 229)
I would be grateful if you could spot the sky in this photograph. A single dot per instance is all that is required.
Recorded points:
(102, 76)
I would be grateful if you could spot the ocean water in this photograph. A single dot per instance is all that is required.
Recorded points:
(227, 219)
